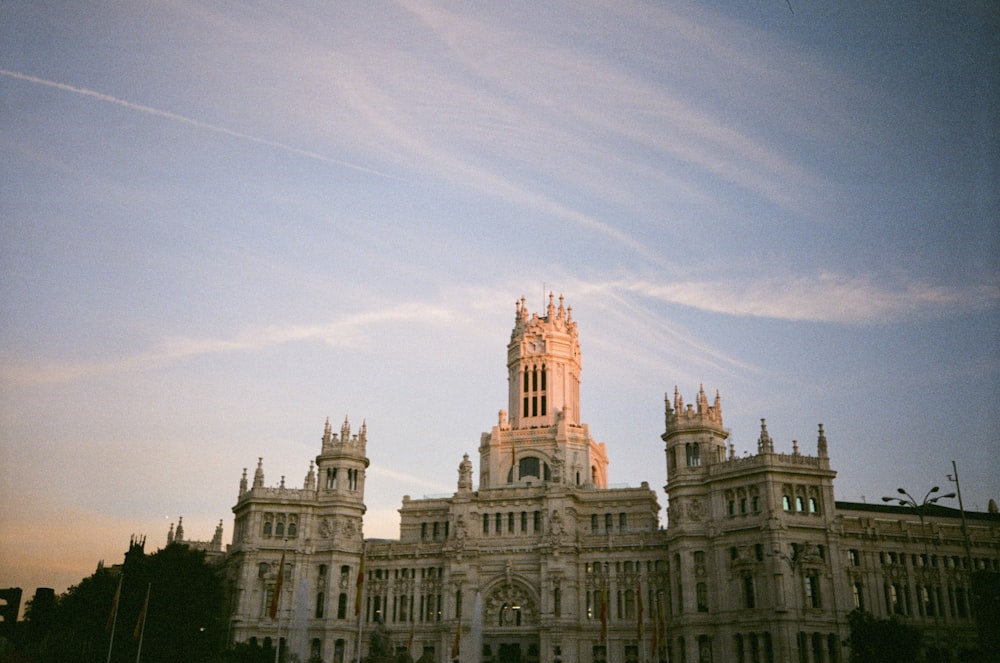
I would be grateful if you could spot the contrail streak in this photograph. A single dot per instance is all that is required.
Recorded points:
(149, 110)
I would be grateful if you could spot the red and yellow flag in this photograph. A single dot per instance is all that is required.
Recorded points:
(141, 622)
(114, 604)
(638, 595)
(359, 585)
(276, 599)
(604, 613)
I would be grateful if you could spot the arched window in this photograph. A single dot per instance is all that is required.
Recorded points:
(320, 601)
(529, 466)
(800, 504)
(292, 530)
(267, 528)
(813, 505)
(786, 502)
(279, 529)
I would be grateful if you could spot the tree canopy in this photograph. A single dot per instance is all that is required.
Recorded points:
(184, 618)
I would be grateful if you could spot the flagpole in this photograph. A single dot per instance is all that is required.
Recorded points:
(114, 617)
(359, 598)
(277, 599)
(142, 629)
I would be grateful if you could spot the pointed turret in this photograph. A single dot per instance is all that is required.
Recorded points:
(765, 445)
(821, 449)
(243, 483)
(258, 476)
(179, 532)
(310, 480)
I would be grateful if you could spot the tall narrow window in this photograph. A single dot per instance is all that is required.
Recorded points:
(812, 591)
(749, 597)
(320, 600)
(331, 477)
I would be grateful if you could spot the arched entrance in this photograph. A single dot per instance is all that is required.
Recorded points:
(510, 623)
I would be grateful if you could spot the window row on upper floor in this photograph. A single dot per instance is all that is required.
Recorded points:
(801, 499)
(512, 522)
(609, 522)
(280, 525)
(335, 475)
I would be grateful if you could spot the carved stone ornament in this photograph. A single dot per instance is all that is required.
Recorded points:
(695, 510)
(325, 528)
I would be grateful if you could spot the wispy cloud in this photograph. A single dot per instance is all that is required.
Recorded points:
(380, 470)
(348, 331)
(188, 121)
(825, 297)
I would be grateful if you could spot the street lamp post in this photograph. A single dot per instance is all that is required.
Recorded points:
(908, 500)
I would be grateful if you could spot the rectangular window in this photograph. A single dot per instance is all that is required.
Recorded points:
(812, 591)
(510, 522)
(524, 521)
(701, 590)
(499, 524)
(749, 598)
(622, 522)
(608, 527)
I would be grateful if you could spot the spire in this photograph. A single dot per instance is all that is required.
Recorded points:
(327, 432)
(243, 483)
(550, 310)
(764, 443)
(821, 449)
(465, 475)
(363, 433)
(310, 481)
(345, 430)
(258, 476)
(179, 533)
(562, 309)
(217, 539)
(170, 534)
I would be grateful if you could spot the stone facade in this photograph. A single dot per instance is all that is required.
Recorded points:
(542, 561)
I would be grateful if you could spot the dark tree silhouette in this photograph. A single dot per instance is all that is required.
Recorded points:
(882, 640)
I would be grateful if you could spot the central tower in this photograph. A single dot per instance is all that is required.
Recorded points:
(539, 437)
(543, 364)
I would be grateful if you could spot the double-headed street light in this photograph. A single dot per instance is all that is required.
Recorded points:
(909, 501)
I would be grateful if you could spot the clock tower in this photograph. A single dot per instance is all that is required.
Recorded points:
(539, 436)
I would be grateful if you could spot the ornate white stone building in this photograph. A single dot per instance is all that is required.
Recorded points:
(542, 561)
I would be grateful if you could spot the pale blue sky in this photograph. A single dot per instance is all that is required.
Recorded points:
(224, 222)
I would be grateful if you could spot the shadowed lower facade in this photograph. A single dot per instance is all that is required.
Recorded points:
(541, 560)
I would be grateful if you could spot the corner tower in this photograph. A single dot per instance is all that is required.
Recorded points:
(539, 437)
